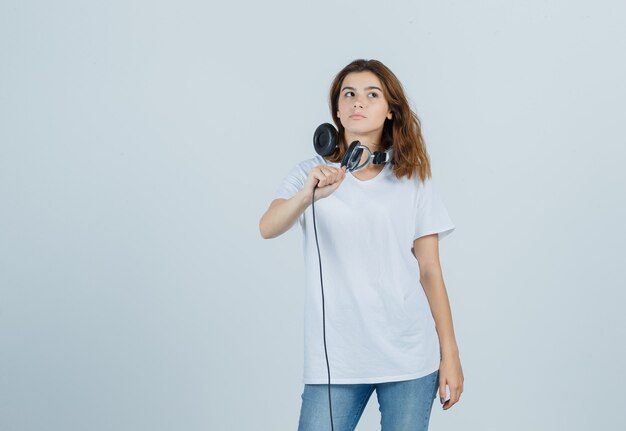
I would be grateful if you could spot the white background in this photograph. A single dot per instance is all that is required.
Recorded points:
(141, 141)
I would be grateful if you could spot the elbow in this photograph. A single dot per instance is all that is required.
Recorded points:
(432, 274)
(263, 230)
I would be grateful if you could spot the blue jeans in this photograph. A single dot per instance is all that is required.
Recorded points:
(403, 406)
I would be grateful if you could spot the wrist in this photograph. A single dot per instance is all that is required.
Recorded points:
(449, 352)
(304, 198)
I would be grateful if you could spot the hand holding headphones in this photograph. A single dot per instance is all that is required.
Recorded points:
(324, 179)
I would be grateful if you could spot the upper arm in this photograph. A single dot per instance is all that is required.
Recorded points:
(426, 251)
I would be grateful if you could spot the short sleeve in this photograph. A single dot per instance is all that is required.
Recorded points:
(291, 183)
(431, 214)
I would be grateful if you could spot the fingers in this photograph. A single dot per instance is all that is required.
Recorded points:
(455, 395)
(442, 391)
(328, 175)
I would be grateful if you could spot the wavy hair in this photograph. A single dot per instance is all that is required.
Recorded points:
(403, 131)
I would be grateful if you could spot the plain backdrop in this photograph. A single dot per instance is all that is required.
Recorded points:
(141, 142)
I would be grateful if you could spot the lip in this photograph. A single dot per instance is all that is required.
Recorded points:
(357, 116)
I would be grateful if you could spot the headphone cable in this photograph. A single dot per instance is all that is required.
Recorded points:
(323, 310)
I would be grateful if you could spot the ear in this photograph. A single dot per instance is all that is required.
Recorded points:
(389, 115)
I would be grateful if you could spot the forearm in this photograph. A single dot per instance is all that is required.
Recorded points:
(437, 295)
(280, 217)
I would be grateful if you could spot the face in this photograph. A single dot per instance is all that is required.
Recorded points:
(362, 107)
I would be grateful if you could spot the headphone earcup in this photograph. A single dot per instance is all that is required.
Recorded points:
(352, 157)
(325, 139)
(379, 157)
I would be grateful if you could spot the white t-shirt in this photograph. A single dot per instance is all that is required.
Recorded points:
(379, 326)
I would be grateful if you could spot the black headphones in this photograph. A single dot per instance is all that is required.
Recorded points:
(325, 143)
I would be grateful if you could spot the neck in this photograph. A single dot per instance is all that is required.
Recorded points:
(370, 140)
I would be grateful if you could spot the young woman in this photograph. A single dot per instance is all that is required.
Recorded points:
(388, 324)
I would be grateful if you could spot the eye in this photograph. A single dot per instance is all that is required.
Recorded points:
(347, 93)
(374, 94)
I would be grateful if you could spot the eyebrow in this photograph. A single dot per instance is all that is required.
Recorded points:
(371, 87)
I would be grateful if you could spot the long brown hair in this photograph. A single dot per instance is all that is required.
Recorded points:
(403, 131)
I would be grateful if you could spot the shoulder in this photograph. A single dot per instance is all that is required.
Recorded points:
(421, 189)
(422, 185)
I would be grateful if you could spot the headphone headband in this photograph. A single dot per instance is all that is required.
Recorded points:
(325, 141)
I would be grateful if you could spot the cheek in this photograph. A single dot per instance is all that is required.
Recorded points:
(382, 109)
(343, 106)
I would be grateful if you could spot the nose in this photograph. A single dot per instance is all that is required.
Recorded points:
(358, 103)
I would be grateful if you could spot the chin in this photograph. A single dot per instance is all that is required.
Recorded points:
(361, 130)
